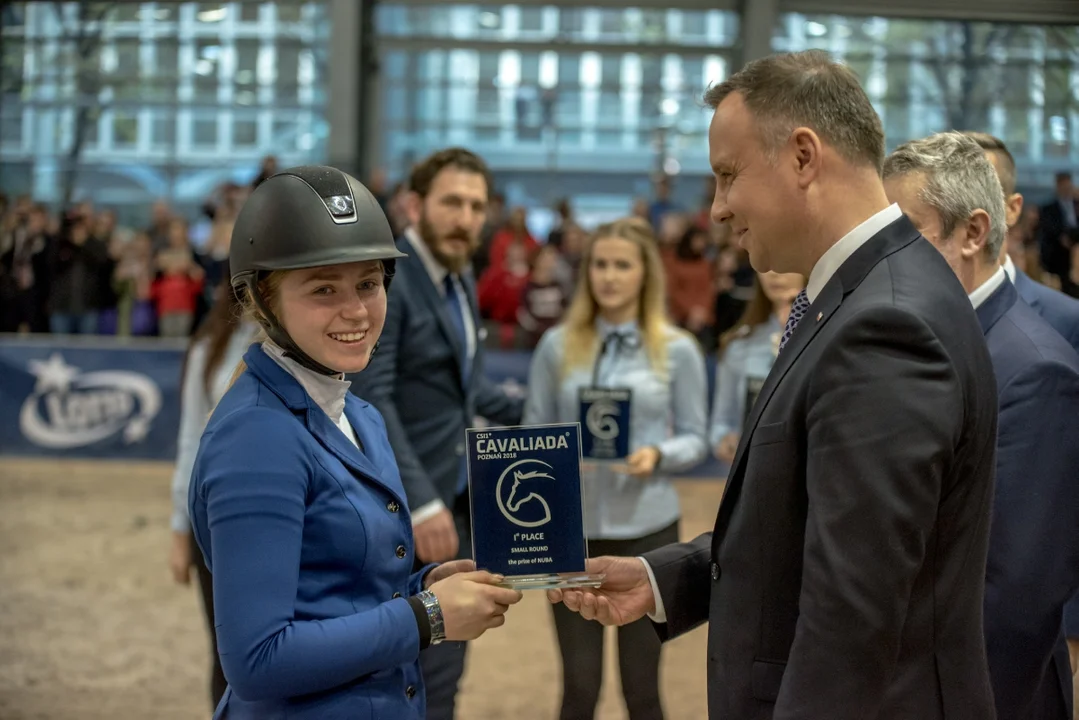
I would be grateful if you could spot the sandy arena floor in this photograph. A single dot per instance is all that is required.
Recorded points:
(92, 626)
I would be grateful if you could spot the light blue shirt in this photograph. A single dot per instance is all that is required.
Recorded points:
(746, 359)
(668, 410)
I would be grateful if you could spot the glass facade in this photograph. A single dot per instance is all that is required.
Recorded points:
(548, 88)
(141, 100)
(1019, 82)
(158, 99)
(572, 90)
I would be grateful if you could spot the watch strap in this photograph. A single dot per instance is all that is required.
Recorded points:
(434, 616)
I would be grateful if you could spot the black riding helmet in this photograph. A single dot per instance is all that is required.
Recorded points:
(304, 217)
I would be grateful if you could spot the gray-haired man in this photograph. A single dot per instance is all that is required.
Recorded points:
(951, 192)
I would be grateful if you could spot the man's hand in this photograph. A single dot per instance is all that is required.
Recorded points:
(445, 570)
(436, 538)
(625, 595)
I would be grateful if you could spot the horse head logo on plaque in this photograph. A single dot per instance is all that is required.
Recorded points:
(518, 501)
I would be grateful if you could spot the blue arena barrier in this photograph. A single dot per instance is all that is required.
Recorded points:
(119, 399)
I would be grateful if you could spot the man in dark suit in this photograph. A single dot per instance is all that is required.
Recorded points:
(845, 573)
(1057, 220)
(1056, 308)
(949, 189)
(427, 376)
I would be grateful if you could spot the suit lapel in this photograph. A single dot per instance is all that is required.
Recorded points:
(996, 306)
(818, 314)
(849, 275)
(815, 318)
(437, 303)
(1022, 286)
(317, 422)
(333, 439)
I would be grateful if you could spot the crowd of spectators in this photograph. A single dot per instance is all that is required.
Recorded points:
(78, 272)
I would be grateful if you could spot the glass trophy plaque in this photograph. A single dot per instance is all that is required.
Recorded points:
(605, 414)
(524, 484)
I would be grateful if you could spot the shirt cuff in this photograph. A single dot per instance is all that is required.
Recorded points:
(660, 615)
(427, 512)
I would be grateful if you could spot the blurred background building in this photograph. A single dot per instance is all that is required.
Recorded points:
(127, 102)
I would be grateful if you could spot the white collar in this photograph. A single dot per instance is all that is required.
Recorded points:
(1009, 267)
(434, 268)
(328, 391)
(834, 257)
(987, 288)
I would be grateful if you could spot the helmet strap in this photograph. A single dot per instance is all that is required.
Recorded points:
(278, 334)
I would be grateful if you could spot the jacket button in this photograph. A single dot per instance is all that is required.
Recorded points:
(410, 691)
(401, 551)
(395, 596)
(715, 571)
(393, 506)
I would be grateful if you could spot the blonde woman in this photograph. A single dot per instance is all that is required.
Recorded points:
(616, 334)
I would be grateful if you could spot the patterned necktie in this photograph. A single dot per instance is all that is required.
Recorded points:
(798, 310)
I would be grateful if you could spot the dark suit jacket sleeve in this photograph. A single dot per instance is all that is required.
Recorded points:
(884, 404)
(492, 403)
(685, 584)
(495, 405)
(1033, 566)
(377, 385)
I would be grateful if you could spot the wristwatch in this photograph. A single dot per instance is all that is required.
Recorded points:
(434, 616)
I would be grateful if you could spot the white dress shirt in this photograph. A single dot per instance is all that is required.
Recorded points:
(438, 274)
(836, 255)
(987, 288)
(1009, 267)
(328, 391)
(829, 263)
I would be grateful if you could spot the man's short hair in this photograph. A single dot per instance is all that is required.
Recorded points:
(993, 144)
(425, 172)
(959, 179)
(807, 89)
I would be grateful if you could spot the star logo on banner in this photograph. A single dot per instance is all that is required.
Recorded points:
(52, 374)
(136, 430)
